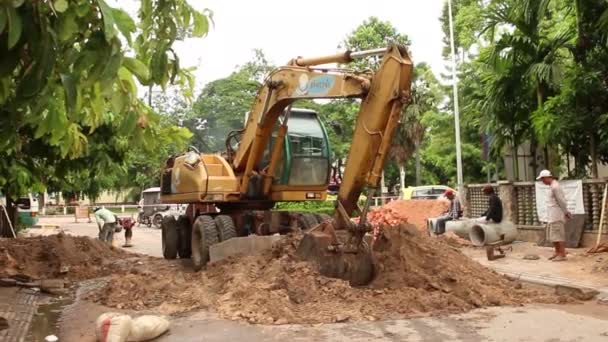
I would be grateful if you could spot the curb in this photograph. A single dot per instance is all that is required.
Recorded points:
(554, 282)
(46, 226)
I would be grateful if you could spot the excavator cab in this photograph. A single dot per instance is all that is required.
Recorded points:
(306, 151)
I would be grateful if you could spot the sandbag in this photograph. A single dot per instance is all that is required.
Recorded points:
(112, 327)
(145, 328)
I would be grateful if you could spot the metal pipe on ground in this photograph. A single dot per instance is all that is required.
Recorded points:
(482, 234)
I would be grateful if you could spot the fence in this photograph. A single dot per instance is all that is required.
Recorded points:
(519, 202)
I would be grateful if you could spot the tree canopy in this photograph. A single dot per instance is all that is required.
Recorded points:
(69, 73)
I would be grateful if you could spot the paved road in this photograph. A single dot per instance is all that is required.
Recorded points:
(588, 322)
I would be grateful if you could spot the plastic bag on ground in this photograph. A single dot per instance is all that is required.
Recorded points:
(145, 328)
(112, 327)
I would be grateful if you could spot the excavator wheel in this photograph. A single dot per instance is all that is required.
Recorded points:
(356, 266)
(184, 230)
(204, 234)
(307, 221)
(169, 237)
(225, 227)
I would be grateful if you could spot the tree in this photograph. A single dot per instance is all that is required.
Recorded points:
(223, 103)
(68, 86)
(371, 34)
(426, 95)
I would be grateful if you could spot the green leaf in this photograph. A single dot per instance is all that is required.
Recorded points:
(14, 27)
(8, 62)
(60, 5)
(201, 24)
(125, 24)
(139, 69)
(17, 3)
(67, 27)
(108, 19)
(71, 93)
(119, 101)
(3, 19)
(126, 80)
(83, 9)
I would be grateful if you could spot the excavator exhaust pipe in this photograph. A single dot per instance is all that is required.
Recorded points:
(336, 260)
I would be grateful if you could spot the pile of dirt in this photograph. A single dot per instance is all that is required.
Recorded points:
(415, 212)
(57, 256)
(416, 275)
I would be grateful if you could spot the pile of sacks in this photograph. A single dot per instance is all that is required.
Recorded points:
(117, 327)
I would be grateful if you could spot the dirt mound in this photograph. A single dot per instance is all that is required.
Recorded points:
(56, 256)
(416, 275)
(415, 212)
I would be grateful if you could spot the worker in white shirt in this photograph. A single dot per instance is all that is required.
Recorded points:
(106, 222)
(557, 214)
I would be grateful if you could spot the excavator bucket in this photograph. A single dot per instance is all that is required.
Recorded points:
(335, 256)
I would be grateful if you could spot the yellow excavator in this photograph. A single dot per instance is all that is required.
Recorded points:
(282, 154)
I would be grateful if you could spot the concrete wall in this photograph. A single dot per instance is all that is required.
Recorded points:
(536, 235)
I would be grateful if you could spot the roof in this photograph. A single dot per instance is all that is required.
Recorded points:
(156, 189)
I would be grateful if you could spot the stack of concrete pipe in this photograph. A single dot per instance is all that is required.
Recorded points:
(480, 233)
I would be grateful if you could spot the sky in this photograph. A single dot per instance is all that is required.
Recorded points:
(287, 29)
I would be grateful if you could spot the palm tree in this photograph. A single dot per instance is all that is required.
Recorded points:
(426, 94)
(525, 57)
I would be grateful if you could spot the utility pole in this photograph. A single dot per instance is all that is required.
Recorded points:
(456, 110)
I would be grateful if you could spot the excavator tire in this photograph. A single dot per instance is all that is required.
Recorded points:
(169, 237)
(357, 268)
(225, 227)
(307, 221)
(184, 230)
(204, 234)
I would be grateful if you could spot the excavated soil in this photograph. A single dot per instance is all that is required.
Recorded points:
(416, 275)
(57, 256)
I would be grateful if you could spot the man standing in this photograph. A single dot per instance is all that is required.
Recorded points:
(106, 231)
(454, 212)
(557, 213)
(494, 211)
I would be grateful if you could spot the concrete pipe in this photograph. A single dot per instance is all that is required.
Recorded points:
(482, 234)
(431, 225)
(459, 227)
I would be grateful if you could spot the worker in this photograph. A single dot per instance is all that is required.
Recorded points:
(106, 231)
(557, 213)
(494, 212)
(454, 212)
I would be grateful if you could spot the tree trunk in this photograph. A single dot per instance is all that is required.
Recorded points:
(515, 161)
(418, 180)
(533, 152)
(402, 177)
(5, 227)
(593, 151)
(41, 201)
(382, 185)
